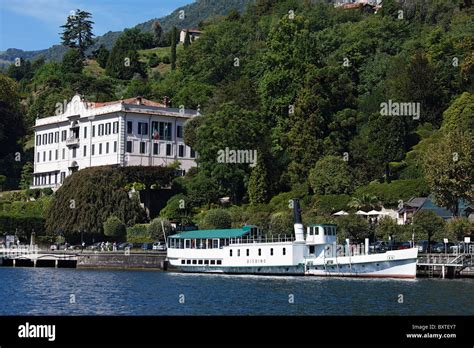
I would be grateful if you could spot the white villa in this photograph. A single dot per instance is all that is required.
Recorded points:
(129, 132)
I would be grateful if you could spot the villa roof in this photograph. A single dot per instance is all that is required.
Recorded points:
(134, 100)
(209, 234)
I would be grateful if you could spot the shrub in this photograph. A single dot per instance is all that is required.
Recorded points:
(153, 60)
(390, 193)
(155, 228)
(427, 225)
(166, 60)
(458, 228)
(139, 234)
(115, 228)
(354, 227)
(387, 227)
(217, 218)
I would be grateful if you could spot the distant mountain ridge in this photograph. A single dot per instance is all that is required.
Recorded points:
(194, 13)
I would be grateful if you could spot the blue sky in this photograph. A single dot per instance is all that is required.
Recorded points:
(34, 24)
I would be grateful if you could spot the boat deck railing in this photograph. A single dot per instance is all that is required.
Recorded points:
(252, 240)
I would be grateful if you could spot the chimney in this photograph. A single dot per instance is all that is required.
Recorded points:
(166, 102)
(139, 100)
(298, 225)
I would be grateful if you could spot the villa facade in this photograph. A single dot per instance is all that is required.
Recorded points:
(128, 132)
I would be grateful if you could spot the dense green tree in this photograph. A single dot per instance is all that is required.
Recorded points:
(458, 228)
(115, 228)
(448, 169)
(460, 114)
(102, 56)
(354, 227)
(258, 183)
(77, 31)
(187, 40)
(216, 219)
(331, 175)
(174, 35)
(26, 176)
(427, 225)
(159, 229)
(72, 62)
(387, 229)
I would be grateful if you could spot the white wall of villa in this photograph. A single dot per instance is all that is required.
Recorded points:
(130, 132)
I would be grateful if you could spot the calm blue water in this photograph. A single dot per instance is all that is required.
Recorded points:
(47, 291)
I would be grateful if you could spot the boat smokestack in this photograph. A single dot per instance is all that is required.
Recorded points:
(298, 225)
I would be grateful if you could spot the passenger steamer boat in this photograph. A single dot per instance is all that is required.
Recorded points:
(314, 253)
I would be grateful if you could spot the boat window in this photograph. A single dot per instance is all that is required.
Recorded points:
(213, 262)
(284, 251)
(248, 252)
(206, 262)
(238, 252)
(316, 231)
(230, 252)
(187, 243)
(194, 262)
(183, 262)
(215, 243)
(219, 262)
(188, 262)
(271, 251)
(200, 262)
(259, 252)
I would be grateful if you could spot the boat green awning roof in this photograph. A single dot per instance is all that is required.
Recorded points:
(204, 234)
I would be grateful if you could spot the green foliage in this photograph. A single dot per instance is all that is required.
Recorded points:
(176, 208)
(72, 62)
(258, 183)
(459, 115)
(157, 32)
(328, 204)
(427, 225)
(26, 176)
(102, 56)
(139, 233)
(77, 31)
(354, 227)
(330, 175)
(389, 194)
(88, 197)
(448, 169)
(174, 38)
(216, 219)
(387, 227)
(115, 228)
(281, 223)
(153, 60)
(155, 228)
(458, 228)
(23, 225)
(187, 40)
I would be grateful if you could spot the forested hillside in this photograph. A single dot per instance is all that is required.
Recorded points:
(305, 85)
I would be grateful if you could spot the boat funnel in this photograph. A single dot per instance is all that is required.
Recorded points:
(298, 225)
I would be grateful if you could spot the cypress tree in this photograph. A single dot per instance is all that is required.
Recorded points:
(173, 48)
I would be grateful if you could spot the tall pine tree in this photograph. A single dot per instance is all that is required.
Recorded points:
(77, 31)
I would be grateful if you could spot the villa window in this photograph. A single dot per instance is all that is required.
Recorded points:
(93, 131)
(85, 132)
(168, 149)
(129, 146)
(84, 152)
(93, 150)
(38, 140)
(38, 157)
(156, 148)
(179, 131)
(100, 149)
(63, 135)
(193, 154)
(101, 129)
(56, 155)
(115, 146)
(115, 127)
(74, 153)
(107, 147)
(50, 155)
(129, 127)
(45, 139)
(142, 147)
(142, 128)
(107, 128)
(50, 138)
(181, 151)
(56, 137)
(259, 252)
(64, 154)
(44, 156)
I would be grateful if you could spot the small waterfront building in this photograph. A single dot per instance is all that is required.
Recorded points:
(129, 132)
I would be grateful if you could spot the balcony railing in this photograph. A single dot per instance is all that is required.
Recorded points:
(72, 141)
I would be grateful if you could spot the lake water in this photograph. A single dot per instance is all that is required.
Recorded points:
(49, 291)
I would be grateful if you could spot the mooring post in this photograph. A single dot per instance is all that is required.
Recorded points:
(442, 270)
(56, 263)
(14, 262)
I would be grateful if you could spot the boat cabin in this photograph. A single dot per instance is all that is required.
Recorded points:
(212, 239)
(321, 234)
